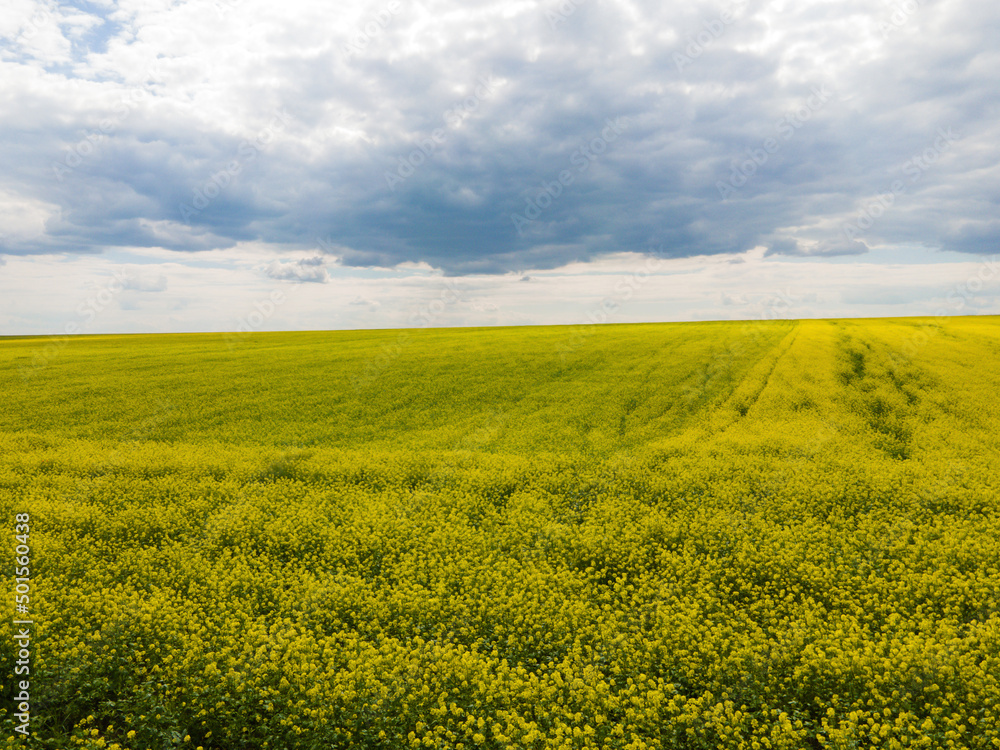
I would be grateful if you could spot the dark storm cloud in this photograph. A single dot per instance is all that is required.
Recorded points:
(482, 142)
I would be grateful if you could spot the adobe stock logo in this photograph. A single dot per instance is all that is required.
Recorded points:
(712, 31)
(581, 158)
(133, 98)
(786, 127)
(453, 117)
(901, 14)
(362, 37)
(253, 321)
(247, 151)
(914, 168)
(562, 12)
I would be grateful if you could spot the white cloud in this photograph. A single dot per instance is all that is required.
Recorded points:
(118, 115)
(139, 281)
(24, 218)
(42, 294)
(306, 270)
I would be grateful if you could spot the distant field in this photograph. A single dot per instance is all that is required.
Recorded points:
(780, 534)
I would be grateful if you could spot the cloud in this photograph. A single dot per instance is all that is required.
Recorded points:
(304, 271)
(144, 282)
(825, 248)
(47, 295)
(360, 301)
(733, 299)
(977, 236)
(201, 126)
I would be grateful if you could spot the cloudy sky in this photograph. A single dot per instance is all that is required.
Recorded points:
(203, 165)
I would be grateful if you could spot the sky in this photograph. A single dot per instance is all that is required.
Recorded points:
(220, 165)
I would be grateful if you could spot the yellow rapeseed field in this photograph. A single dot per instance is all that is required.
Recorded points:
(779, 534)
